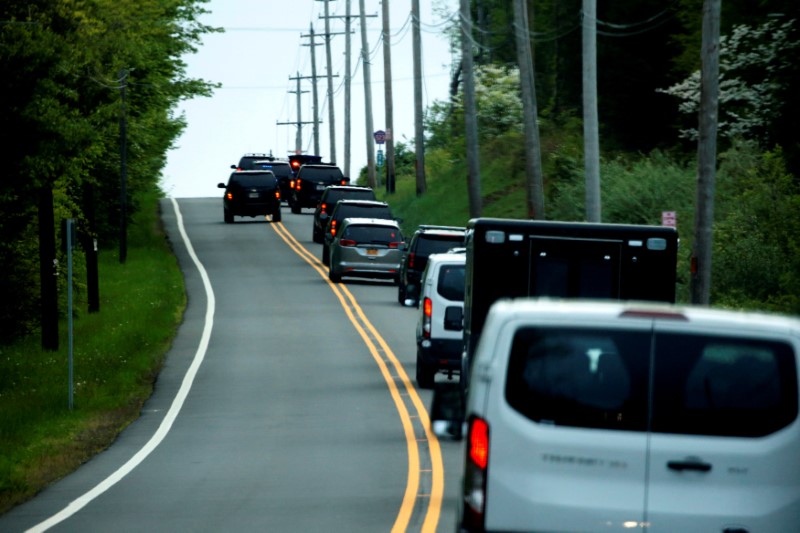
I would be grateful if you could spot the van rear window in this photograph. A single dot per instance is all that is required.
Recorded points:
(702, 384)
(451, 282)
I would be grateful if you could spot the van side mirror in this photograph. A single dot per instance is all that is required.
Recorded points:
(454, 318)
(448, 410)
(220, 185)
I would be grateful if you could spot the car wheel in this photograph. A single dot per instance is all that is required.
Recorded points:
(425, 373)
(316, 236)
(326, 256)
(401, 293)
(228, 217)
(295, 207)
(276, 216)
(336, 278)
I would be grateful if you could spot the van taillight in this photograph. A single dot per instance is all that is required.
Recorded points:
(323, 207)
(278, 195)
(395, 244)
(427, 311)
(477, 462)
(347, 242)
(410, 260)
(297, 184)
(229, 196)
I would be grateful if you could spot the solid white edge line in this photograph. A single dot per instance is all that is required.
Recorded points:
(166, 424)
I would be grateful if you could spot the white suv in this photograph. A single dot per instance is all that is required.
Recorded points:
(588, 416)
(441, 311)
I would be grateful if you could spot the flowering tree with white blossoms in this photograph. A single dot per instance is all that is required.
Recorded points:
(753, 60)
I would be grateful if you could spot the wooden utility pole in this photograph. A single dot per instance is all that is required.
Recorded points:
(591, 142)
(48, 269)
(534, 177)
(347, 67)
(419, 131)
(314, 91)
(123, 165)
(387, 87)
(706, 155)
(298, 142)
(331, 114)
(470, 113)
(371, 178)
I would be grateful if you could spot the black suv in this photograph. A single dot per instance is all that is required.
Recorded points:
(330, 197)
(247, 161)
(251, 193)
(282, 171)
(427, 240)
(310, 183)
(351, 209)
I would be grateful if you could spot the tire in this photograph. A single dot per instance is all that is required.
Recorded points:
(425, 373)
(336, 278)
(316, 236)
(401, 293)
(326, 255)
(227, 216)
(295, 207)
(276, 216)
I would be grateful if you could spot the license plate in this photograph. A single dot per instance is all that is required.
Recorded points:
(253, 195)
(372, 251)
(321, 187)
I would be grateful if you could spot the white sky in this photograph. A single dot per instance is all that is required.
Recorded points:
(262, 48)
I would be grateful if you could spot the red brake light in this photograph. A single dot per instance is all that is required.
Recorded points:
(427, 307)
(479, 443)
(323, 207)
(344, 182)
(278, 195)
(395, 244)
(333, 228)
(347, 242)
(427, 311)
(229, 196)
(411, 260)
(297, 184)
(291, 184)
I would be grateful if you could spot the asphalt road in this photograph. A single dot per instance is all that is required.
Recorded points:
(286, 403)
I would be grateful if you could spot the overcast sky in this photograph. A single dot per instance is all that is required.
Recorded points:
(265, 44)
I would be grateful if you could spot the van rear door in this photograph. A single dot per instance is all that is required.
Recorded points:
(723, 447)
(567, 427)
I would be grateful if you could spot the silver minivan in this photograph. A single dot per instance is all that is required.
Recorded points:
(587, 416)
(366, 248)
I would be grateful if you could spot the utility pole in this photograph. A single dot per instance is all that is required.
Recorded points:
(314, 91)
(331, 113)
(591, 142)
(371, 178)
(298, 142)
(419, 132)
(470, 113)
(387, 87)
(533, 158)
(48, 269)
(706, 155)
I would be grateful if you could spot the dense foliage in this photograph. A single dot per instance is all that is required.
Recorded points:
(66, 65)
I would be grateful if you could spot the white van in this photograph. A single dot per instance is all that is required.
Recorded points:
(588, 416)
(440, 341)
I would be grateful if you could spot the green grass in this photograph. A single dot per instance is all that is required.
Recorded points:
(117, 354)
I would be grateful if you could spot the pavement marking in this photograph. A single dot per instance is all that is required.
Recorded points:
(177, 403)
(435, 498)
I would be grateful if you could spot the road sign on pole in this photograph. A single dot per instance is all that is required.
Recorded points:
(380, 158)
(380, 136)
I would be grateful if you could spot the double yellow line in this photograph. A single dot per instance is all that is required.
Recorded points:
(386, 360)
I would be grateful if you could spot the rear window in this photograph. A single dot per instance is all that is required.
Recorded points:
(328, 173)
(353, 194)
(702, 385)
(282, 170)
(434, 244)
(451, 282)
(266, 179)
(362, 211)
(372, 234)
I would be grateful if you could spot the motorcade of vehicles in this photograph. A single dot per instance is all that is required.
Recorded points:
(366, 248)
(310, 182)
(330, 197)
(251, 193)
(597, 416)
(427, 239)
(352, 209)
(439, 328)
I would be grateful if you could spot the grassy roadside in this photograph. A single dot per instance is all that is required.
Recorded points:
(117, 354)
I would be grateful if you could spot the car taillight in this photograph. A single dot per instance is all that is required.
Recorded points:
(347, 242)
(475, 478)
(297, 184)
(291, 184)
(344, 182)
(427, 312)
(395, 244)
(229, 196)
(411, 260)
(323, 208)
(333, 228)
